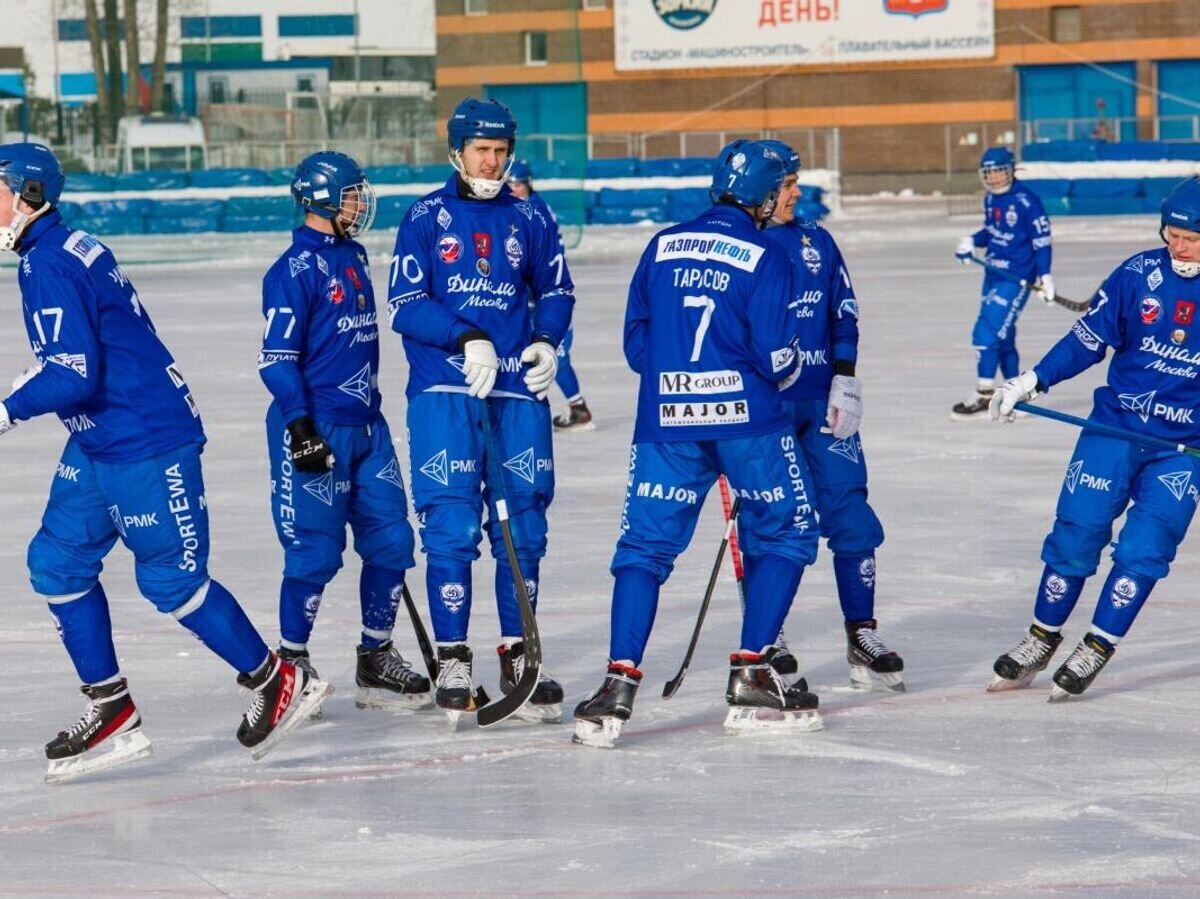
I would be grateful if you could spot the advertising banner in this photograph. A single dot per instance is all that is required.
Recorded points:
(699, 34)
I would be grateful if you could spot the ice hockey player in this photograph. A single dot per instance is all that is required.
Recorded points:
(577, 417)
(1015, 238)
(709, 332)
(1146, 313)
(332, 459)
(130, 471)
(469, 258)
(825, 409)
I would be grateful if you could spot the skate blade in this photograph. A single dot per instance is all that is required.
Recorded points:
(478, 700)
(122, 749)
(379, 698)
(746, 720)
(601, 735)
(307, 708)
(1058, 694)
(1000, 684)
(978, 416)
(864, 679)
(539, 714)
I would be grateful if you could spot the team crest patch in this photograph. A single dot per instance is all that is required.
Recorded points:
(1055, 588)
(453, 596)
(1154, 279)
(866, 572)
(1010, 217)
(312, 604)
(444, 219)
(83, 245)
(810, 254)
(1151, 310)
(335, 291)
(1185, 312)
(483, 243)
(449, 248)
(512, 248)
(1178, 336)
(1124, 592)
(483, 267)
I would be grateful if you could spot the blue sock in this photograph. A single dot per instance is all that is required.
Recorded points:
(1121, 599)
(449, 584)
(86, 632)
(222, 626)
(635, 602)
(506, 594)
(989, 359)
(566, 379)
(299, 602)
(771, 584)
(379, 592)
(855, 576)
(1056, 597)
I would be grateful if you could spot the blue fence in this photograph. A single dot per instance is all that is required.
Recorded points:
(611, 204)
(1106, 151)
(1101, 196)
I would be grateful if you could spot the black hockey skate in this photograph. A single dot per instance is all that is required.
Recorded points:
(598, 718)
(759, 701)
(386, 680)
(284, 695)
(974, 408)
(544, 705)
(1017, 667)
(577, 418)
(1081, 667)
(301, 659)
(872, 664)
(109, 734)
(455, 692)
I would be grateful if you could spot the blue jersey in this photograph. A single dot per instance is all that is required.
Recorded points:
(544, 208)
(320, 352)
(824, 306)
(1147, 314)
(463, 264)
(104, 371)
(1016, 232)
(708, 328)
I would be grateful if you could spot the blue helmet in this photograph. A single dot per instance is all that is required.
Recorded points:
(750, 174)
(790, 157)
(997, 159)
(1181, 207)
(332, 185)
(521, 171)
(32, 172)
(480, 118)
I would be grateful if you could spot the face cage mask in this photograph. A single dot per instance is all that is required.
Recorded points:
(363, 196)
(21, 220)
(1183, 269)
(987, 170)
(482, 188)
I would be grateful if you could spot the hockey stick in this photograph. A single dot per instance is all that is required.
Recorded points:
(1109, 430)
(674, 683)
(735, 552)
(1073, 305)
(431, 662)
(509, 703)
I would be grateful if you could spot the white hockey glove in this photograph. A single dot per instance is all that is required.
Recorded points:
(1020, 389)
(845, 411)
(1045, 286)
(6, 423)
(543, 366)
(479, 364)
(30, 372)
(965, 251)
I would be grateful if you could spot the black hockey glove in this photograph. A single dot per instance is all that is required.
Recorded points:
(310, 453)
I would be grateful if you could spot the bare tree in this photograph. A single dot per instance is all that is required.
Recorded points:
(133, 61)
(112, 44)
(158, 73)
(96, 43)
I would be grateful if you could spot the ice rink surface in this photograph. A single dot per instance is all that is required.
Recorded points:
(946, 790)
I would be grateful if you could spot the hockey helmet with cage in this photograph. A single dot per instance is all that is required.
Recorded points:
(34, 175)
(748, 174)
(997, 160)
(489, 119)
(333, 186)
(1181, 209)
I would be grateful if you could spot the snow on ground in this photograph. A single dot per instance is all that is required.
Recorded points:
(946, 790)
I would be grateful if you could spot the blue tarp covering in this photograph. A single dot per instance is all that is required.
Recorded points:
(229, 178)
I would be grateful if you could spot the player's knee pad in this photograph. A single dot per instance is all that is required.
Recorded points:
(388, 547)
(168, 587)
(314, 557)
(453, 530)
(1146, 553)
(528, 525)
(985, 335)
(1073, 548)
(53, 573)
(850, 524)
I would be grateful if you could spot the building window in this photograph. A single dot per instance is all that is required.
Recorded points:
(202, 27)
(316, 26)
(475, 7)
(535, 48)
(76, 29)
(594, 4)
(1065, 24)
(218, 90)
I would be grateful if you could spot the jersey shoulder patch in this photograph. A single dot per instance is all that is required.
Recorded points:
(85, 246)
